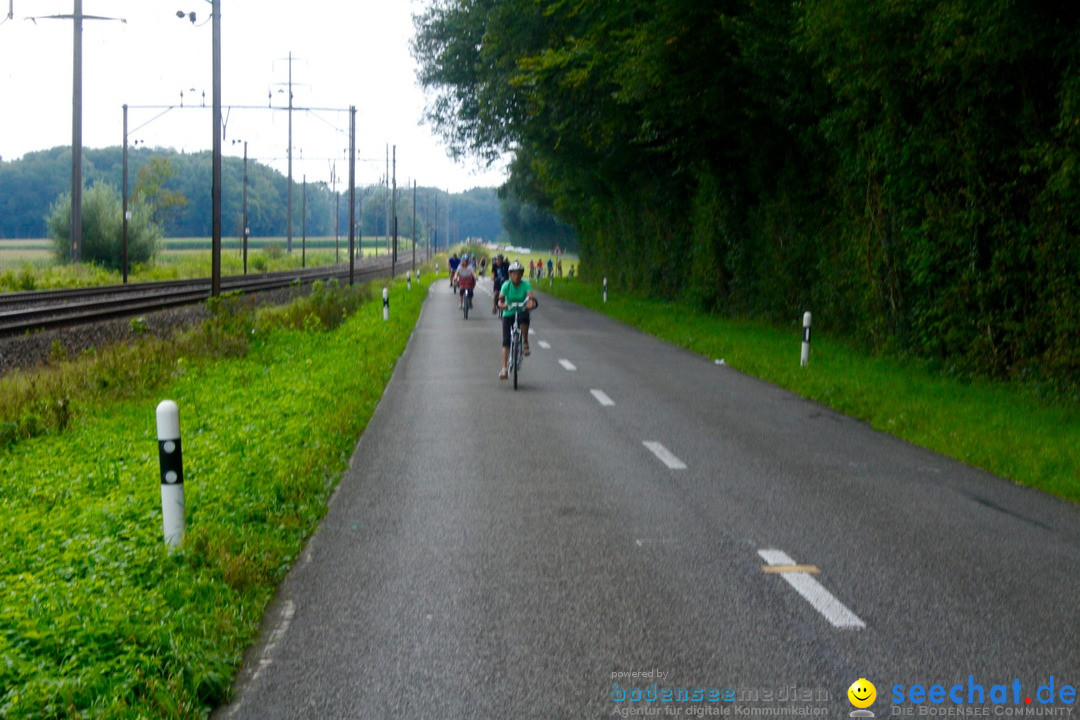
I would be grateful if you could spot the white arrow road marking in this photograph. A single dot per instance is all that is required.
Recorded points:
(665, 455)
(602, 398)
(822, 600)
(568, 365)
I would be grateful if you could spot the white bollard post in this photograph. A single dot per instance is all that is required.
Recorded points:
(805, 340)
(408, 279)
(171, 461)
(385, 304)
(605, 289)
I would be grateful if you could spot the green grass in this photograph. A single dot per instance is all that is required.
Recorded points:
(98, 620)
(1010, 430)
(29, 264)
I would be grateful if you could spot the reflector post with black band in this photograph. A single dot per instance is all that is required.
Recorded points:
(805, 339)
(385, 304)
(171, 462)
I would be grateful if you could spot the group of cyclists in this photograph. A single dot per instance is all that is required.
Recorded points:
(510, 292)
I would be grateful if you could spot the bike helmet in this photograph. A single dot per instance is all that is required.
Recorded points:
(516, 266)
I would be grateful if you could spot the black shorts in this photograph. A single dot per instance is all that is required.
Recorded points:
(508, 322)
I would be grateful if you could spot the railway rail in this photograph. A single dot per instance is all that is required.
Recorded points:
(22, 312)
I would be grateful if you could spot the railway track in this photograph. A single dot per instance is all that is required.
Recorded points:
(22, 312)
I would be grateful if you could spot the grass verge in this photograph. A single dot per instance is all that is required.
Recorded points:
(97, 619)
(1006, 429)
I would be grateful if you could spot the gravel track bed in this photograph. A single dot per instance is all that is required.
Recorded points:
(34, 350)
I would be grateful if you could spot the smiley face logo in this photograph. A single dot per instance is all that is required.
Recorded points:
(862, 693)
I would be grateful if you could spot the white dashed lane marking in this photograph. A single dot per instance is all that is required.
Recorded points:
(822, 600)
(602, 398)
(568, 365)
(545, 345)
(664, 455)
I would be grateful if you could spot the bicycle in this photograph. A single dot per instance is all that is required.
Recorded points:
(516, 357)
(466, 301)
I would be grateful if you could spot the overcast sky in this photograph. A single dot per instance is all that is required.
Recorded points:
(345, 52)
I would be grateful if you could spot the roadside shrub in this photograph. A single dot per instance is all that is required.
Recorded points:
(273, 251)
(102, 228)
(324, 308)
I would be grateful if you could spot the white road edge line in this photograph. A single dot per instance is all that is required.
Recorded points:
(602, 398)
(664, 454)
(568, 365)
(822, 600)
(266, 658)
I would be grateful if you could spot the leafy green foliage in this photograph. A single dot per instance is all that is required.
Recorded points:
(326, 307)
(177, 186)
(102, 228)
(98, 619)
(150, 188)
(906, 169)
(530, 226)
(42, 402)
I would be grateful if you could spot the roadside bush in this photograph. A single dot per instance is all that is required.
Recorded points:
(324, 308)
(102, 228)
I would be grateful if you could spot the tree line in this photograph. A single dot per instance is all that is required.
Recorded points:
(179, 186)
(906, 170)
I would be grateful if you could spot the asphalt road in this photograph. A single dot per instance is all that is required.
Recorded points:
(501, 554)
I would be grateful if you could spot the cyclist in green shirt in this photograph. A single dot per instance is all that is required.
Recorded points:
(515, 290)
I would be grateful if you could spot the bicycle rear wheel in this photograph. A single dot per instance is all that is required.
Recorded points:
(466, 300)
(519, 356)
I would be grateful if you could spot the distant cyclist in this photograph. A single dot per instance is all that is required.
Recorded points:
(453, 264)
(466, 280)
(515, 291)
(499, 275)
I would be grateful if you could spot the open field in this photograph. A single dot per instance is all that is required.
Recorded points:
(16, 253)
(29, 264)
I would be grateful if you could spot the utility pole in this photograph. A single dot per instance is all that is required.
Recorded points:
(303, 226)
(288, 237)
(77, 17)
(337, 211)
(414, 227)
(386, 205)
(352, 190)
(393, 214)
(215, 262)
(76, 137)
(244, 219)
(124, 193)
